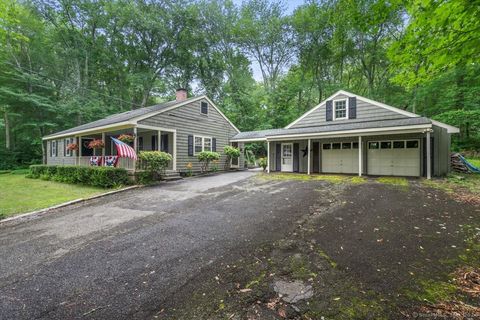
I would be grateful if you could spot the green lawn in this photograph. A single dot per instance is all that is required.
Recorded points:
(475, 162)
(19, 194)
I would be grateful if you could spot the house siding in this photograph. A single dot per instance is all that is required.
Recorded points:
(61, 159)
(441, 152)
(188, 120)
(365, 112)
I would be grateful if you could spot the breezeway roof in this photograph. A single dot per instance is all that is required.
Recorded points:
(264, 134)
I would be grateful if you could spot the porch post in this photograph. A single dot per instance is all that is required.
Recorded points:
(360, 156)
(103, 149)
(174, 151)
(135, 144)
(268, 156)
(159, 140)
(429, 155)
(79, 148)
(308, 157)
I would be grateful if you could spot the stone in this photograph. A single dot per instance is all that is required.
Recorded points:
(292, 291)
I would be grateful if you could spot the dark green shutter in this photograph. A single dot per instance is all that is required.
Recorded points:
(190, 145)
(329, 110)
(352, 107)
(214, 144)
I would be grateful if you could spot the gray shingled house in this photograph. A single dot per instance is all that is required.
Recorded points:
(183, 128)
(348, 133)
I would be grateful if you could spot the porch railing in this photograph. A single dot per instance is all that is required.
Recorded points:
(125, 163)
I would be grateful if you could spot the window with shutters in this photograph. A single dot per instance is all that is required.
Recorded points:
(68, 153)
(204, 107)
(202, 144)
(53, 148)
(340, 109)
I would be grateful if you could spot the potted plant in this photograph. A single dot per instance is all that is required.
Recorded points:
(231, 153)
(96, 144)
(126, 138)
(72, 147)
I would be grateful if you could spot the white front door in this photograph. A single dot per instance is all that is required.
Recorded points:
(287, 157)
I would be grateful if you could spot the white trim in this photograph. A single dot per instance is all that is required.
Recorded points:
(248, 139)
(117, 126)
(429, 156)
(450, 129)
(313, 109)
(401, 129)
(334, 107)
(143, 126)
(203, 143)
(174, 167)
(268, 156)
(148, 115)
(360, 154)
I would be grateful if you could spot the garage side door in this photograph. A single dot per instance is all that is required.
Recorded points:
(340, 157)
(394, 158)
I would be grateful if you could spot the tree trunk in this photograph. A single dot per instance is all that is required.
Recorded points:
(7, 129)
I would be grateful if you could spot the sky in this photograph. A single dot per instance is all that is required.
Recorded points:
(290, 6)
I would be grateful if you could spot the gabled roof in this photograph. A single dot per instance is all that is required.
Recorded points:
(131, 117)
(365, 126)
(450, 129)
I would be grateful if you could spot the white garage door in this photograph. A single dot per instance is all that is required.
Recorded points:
(340, 157)
(394, 158)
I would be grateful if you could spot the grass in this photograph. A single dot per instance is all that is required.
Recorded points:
(394, 181)
(455, 181)
(19, 194)
(313, 177)
(474, 161)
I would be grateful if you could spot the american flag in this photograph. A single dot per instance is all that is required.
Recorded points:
(124, 150)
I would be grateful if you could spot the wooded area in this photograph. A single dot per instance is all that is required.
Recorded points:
(67, 62)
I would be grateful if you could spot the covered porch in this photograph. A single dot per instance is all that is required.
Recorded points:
(145, 138)
(394, 152)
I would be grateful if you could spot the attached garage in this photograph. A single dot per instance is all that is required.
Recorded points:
(394, 158)
(340, 157)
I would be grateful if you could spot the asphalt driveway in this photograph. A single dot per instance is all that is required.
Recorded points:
(212, 247)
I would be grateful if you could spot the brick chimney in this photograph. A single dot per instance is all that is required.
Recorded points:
(181, 94)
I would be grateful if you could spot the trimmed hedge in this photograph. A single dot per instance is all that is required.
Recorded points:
(105, 177)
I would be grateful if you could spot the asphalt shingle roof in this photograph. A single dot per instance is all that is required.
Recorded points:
(333, 127)
(121, 117)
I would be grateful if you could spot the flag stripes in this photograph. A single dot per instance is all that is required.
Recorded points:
(124, 150)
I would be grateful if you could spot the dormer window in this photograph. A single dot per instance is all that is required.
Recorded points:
(204, 107)
(340, 109)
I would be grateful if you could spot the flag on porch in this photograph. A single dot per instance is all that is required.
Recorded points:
(124, 150)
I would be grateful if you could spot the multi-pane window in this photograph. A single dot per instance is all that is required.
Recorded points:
(68, 153)
(340, 109)
(53, 148)
(198, 145)
(204, 107)
(207, 144)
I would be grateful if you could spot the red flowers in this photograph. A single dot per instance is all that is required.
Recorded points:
(96, 144)
(126, 138)
(72, 147)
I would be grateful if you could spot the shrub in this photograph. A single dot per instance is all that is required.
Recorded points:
(205, 157)
(155, 162)
(231, 153)
(105, 177)
(263, 162)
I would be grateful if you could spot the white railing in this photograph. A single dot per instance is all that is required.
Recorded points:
(125, 163)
